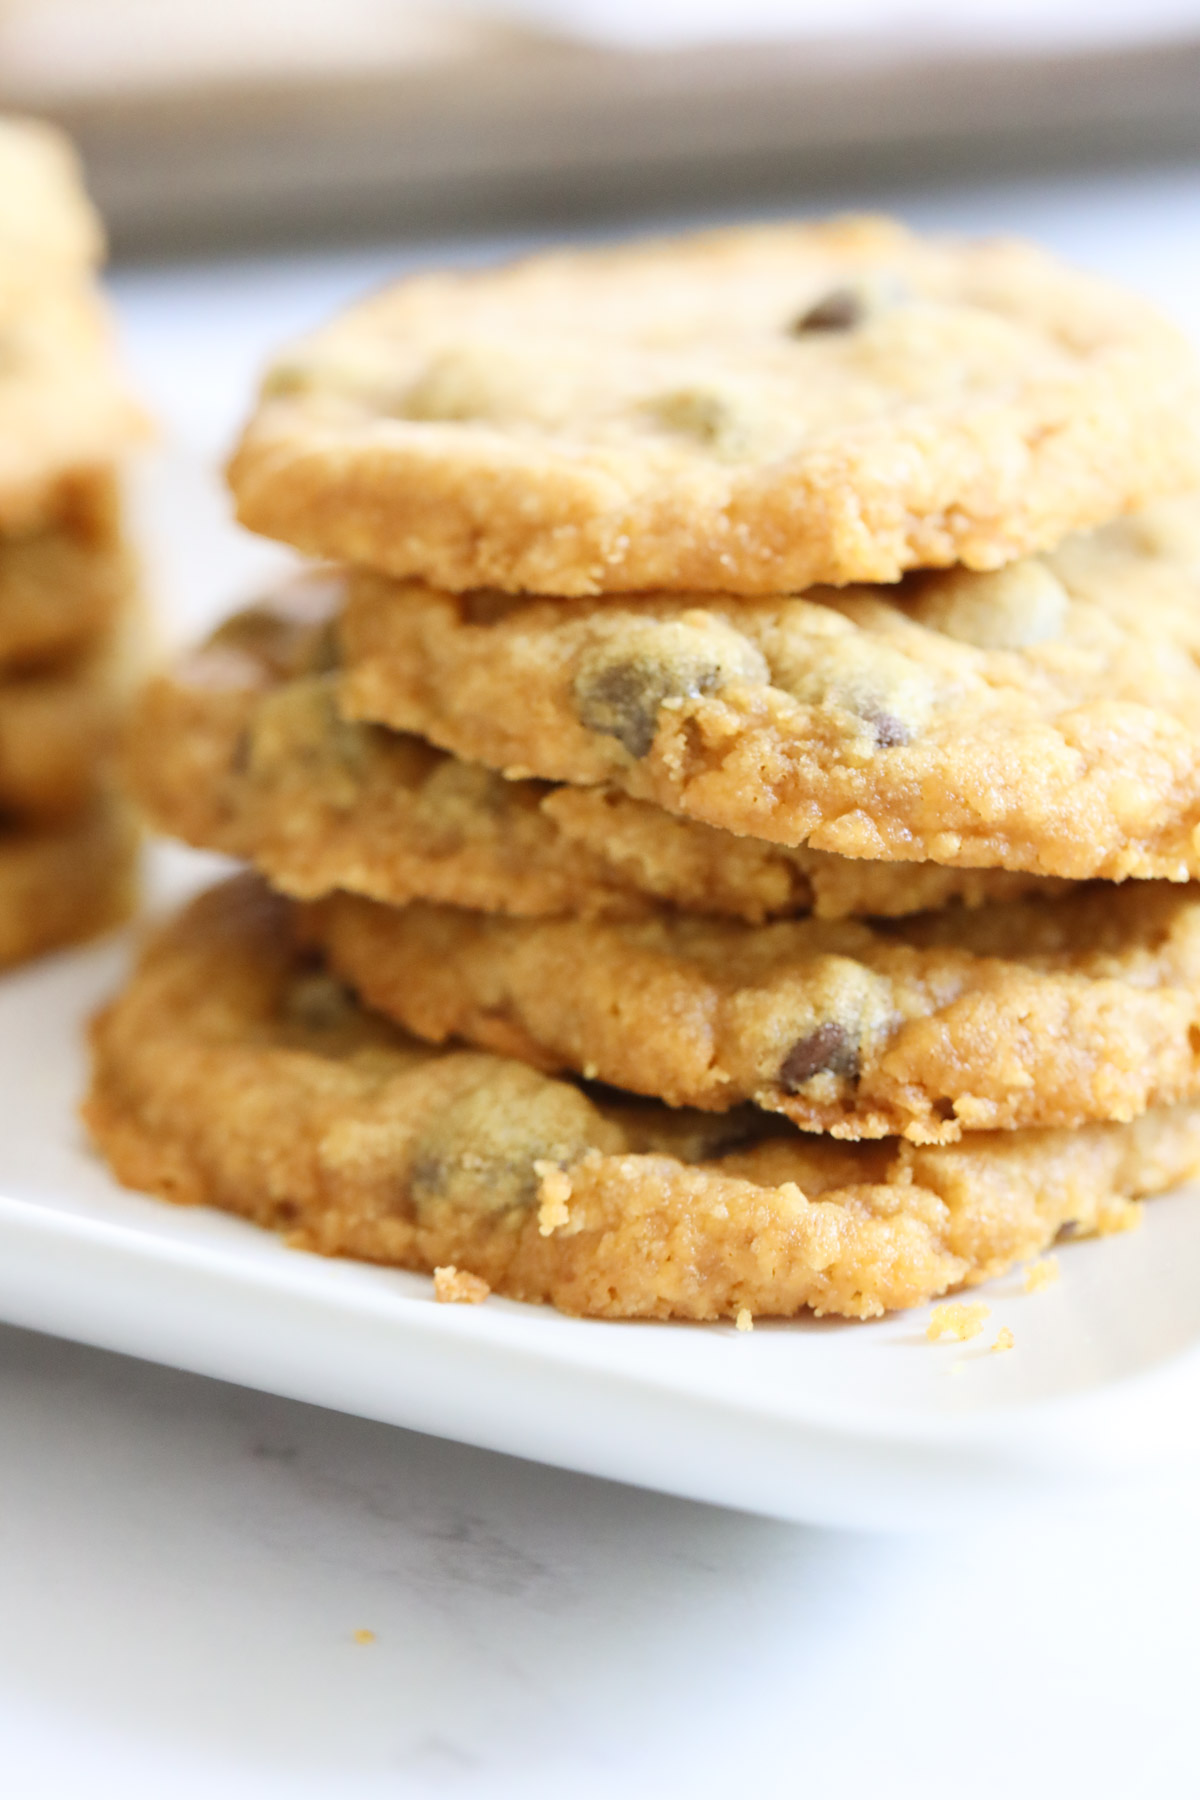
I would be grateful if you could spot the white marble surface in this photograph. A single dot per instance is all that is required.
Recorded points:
(184, 1566)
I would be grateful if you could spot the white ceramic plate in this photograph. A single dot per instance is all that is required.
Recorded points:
(864, 1425)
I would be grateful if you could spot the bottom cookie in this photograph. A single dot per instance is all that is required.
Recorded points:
(234, 1071)
(65, 884)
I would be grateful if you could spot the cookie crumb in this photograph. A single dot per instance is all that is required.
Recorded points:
(1041, 1274)
(554, 1192)
(745, 1319)
(458, 1287)
(957, 1320)
(364, 1636)
(1004, 1339)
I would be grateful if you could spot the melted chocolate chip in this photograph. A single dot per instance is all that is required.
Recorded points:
(624, 698)
(621, 684)
(889, 730)
(840, 310)
(287, 639)
(319, 1002)
(478, 1153)
(828, 1048)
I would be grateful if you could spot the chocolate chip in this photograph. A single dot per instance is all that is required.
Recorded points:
(623, 700)
(882, 686)
(319, 1002)
(622, 683)
(827, 1049)
(478, 1154)
(281, 638)
(841, 309)
(699, 411)
(889, 730)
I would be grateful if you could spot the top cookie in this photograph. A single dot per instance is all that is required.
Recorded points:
(746, 411)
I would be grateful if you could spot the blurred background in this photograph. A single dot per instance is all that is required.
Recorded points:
(226, 123)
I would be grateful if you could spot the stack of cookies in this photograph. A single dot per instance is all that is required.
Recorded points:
(66, 844)
(724, 814)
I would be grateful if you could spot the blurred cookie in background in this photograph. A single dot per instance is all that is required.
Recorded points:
(68, 617)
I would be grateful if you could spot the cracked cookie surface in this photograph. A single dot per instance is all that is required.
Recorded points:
(233, 1072)
(1044, 718)
(1033, 1013)
(743, 411)
(241, 748)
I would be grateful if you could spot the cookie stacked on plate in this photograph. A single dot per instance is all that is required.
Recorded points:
(66, 845)
(728, 818)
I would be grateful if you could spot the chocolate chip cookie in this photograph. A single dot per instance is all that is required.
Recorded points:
(241, 748)
(1045, 717)
(746, 411)
(234, 1071)
(1030, 1013)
